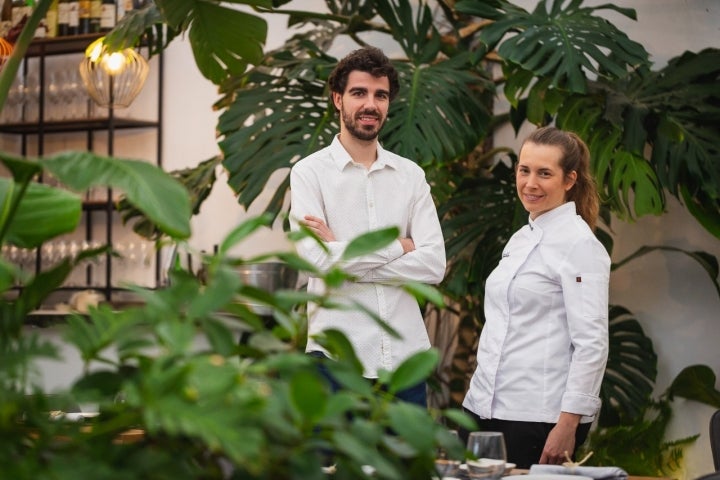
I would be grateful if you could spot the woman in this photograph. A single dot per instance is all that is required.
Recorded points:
(543, 349)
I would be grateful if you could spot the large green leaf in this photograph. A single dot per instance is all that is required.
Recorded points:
(413, 370)
(42, 213)
(559, 39)
(440, 113)
(630, 373)
(224, 40)
(142, 26)
(696, 382)
(627, 182)
(280, 115)
(370, 242)
(475, 237)
(673, 111)
(159, 196)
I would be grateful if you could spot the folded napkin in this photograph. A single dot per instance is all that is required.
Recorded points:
(596, 473)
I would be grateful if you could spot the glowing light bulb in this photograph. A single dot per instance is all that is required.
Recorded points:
(113, 63)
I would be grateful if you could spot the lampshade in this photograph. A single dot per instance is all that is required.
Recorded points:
(113, 79)
(6, 49)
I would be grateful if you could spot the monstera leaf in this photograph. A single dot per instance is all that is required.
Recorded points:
(288, 105)
(630, 373)
(675, 112)
(280, 112)
(475, 237)
(561, 40)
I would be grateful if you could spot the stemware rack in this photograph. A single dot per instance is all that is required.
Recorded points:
(37, 131)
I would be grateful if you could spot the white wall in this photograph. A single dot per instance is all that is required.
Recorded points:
(668, 293)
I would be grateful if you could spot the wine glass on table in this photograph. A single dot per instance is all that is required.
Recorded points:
(445, 464)
(488, 455)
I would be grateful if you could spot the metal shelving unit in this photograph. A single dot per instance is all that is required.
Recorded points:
(37, 131)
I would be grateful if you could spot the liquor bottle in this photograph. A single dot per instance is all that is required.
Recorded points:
(84, 16)
(20, 10)
(73, 17)
(123, 8)
(95, 12)
(51, 19)
(108, 15)
(63, 28)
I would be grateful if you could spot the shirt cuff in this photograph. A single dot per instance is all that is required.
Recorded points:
(580, 404)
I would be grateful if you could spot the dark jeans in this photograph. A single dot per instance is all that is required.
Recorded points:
(524, 441)
(416, 394)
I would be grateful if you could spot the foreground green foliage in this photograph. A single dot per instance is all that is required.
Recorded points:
(206, 405)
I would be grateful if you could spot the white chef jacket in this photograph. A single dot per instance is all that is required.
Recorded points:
(544, 345)
(353, 200)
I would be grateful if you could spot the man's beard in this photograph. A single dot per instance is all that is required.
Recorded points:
(358, 131)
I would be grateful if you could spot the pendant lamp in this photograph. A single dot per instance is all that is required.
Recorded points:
(6, 49)
(113, 79)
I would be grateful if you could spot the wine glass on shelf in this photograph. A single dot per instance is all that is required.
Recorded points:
(15, 100)
(32, 98)
(72, 95)
(54, 96)
(488, 455)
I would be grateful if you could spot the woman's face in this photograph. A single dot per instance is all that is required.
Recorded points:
(541, 183)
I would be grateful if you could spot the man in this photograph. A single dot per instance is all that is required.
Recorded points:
(355, 186)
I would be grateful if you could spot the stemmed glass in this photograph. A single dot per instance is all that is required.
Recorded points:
(54, 96)
(445, 464)
(488, 450)
(32, 99)
(15, 100)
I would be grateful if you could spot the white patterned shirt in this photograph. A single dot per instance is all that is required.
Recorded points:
(353, 200)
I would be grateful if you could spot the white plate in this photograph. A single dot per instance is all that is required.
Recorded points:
(544, 476)
(508, 468)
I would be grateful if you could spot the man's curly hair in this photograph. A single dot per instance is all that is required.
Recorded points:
(371, 60)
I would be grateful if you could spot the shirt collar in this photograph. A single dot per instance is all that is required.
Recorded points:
(547, 217)
(341, 158)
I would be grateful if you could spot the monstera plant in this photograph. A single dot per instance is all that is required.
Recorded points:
(652, 133)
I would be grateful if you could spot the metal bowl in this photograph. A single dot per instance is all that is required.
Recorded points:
(268, 276)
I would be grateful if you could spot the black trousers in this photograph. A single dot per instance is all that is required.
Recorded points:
(524, 441)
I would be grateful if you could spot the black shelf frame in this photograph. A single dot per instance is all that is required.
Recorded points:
(40, 49)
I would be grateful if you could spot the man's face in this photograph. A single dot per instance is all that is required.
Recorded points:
(364, 105)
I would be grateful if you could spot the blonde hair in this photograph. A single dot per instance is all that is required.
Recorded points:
(575, 156)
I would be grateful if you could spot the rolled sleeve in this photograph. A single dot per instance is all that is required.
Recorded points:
(585, 278)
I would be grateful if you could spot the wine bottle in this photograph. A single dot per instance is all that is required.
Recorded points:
(73, 17)
(123, 8)
(51, 19)
(95, 12)
(108, 15)
(20, 10)
(63, 28)
(84, 16)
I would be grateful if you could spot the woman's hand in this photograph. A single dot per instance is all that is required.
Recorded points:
(561, 440)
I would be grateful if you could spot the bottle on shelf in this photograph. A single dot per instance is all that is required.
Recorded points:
(84, 16)
(123, 8)
(20, 11)
(67, 17)
(74, 18)
(63, 19)
(95, 12)
(108, 15)
(51, 19)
